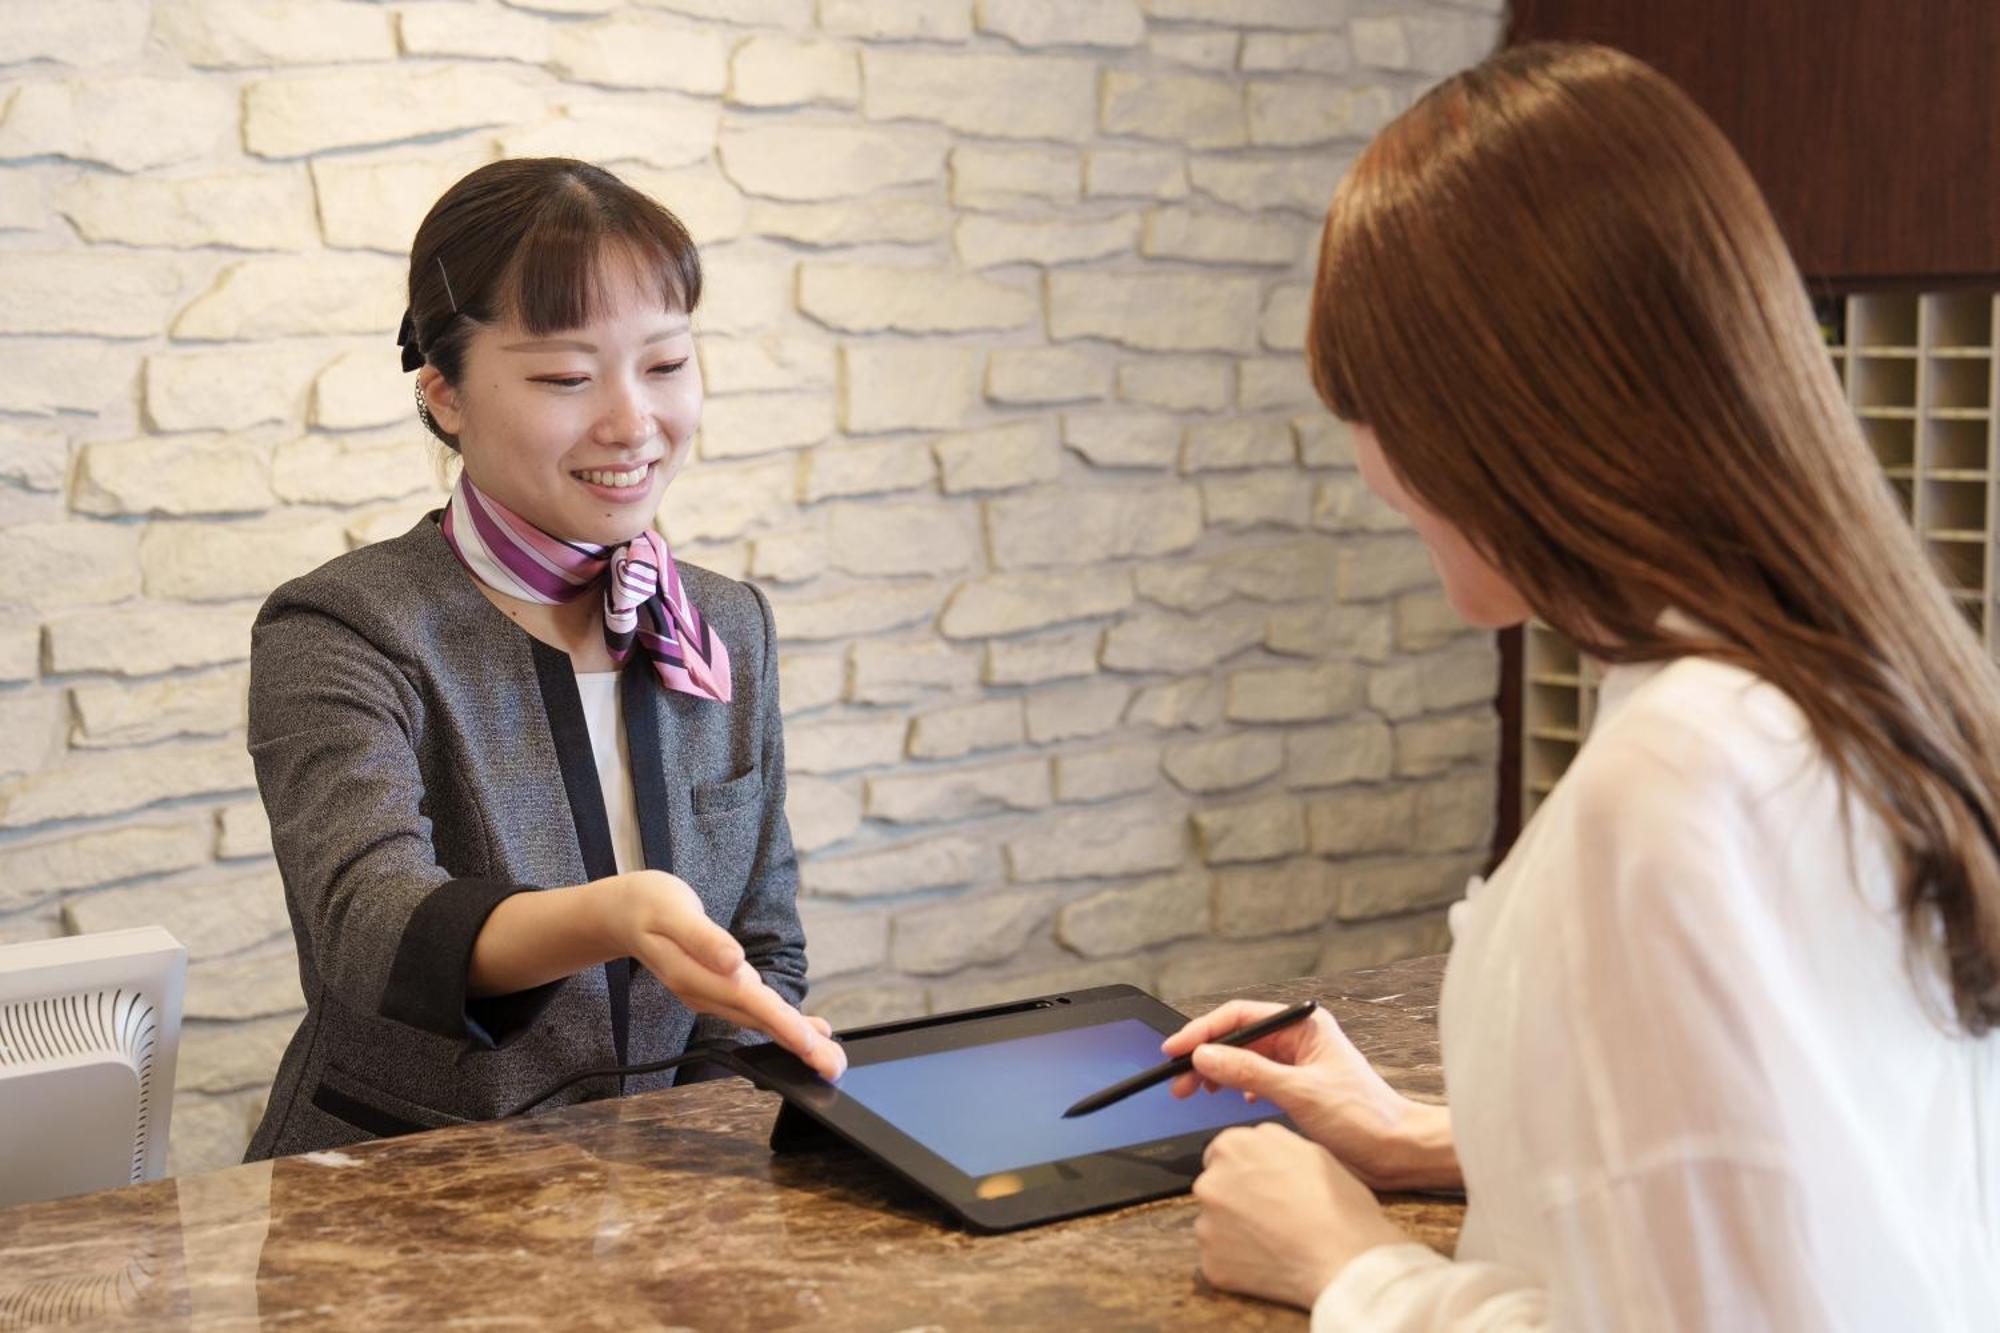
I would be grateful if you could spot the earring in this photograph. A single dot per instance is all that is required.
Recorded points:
(424, 408)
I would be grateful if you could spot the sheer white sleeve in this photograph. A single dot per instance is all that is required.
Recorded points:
(1687, 1161)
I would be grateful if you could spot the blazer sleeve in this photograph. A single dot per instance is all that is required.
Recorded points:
(334, 728)
(767, 919)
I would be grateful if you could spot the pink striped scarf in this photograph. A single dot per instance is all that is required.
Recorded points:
(644, 602)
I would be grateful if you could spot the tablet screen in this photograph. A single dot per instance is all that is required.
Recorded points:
(999, 1106)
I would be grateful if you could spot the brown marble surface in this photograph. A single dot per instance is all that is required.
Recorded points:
(658, 1211)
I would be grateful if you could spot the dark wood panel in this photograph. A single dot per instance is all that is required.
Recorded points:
(1872, 125)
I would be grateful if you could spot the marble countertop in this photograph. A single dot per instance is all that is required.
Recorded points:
(664, 1210)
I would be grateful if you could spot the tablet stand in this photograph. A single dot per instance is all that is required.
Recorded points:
(795, 1131)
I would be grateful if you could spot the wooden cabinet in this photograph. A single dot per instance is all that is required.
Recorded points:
(1873, 126)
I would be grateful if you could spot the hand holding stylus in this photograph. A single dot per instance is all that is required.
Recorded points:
(1314, 1074)
(1180, 1065)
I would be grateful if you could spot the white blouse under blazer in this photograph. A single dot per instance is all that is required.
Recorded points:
(1693, 1084)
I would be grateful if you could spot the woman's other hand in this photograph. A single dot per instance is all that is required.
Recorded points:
(1280, 1216)
(656, 918)
(1314, 1074)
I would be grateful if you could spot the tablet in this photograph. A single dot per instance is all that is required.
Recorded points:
(969, 1106)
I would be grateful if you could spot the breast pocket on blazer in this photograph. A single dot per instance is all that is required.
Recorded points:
(728, 822)
(714, 799)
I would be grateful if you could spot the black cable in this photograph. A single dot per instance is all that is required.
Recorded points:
(721, 1055)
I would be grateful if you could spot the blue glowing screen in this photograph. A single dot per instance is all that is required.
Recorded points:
(998, 1107)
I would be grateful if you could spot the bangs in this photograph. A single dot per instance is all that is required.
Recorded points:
(584, 247)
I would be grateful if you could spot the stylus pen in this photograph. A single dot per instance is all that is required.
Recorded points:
(1182, 1064)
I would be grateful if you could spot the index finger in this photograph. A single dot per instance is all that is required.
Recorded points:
(1218, 1022)
(786, 1025)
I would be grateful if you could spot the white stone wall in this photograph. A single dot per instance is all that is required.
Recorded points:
(1099, 663)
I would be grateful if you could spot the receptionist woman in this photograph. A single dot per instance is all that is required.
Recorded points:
(1719, 1035)
(523, 769)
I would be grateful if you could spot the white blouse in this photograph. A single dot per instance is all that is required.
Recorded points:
(1693, 1084)
(604, 719)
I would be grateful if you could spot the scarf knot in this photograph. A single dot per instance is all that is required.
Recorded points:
(645, 605)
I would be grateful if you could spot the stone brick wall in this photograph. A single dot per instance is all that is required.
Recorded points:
(1099, 663)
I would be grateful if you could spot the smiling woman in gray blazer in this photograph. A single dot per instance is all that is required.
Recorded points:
(524, 771)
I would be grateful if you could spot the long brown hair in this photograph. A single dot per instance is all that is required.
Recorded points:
(1553, 291)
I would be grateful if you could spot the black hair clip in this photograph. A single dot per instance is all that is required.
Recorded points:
(406, 338)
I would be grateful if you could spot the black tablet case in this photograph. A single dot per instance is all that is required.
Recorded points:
(798, 1130)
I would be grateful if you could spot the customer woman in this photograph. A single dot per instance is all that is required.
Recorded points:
(520, 747)
(1719, 1033)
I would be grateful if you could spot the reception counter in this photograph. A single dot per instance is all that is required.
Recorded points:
(665, 1210)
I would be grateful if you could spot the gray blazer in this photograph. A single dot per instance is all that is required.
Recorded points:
(421, 758)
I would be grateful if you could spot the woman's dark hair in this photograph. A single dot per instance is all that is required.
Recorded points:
(530, 238)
